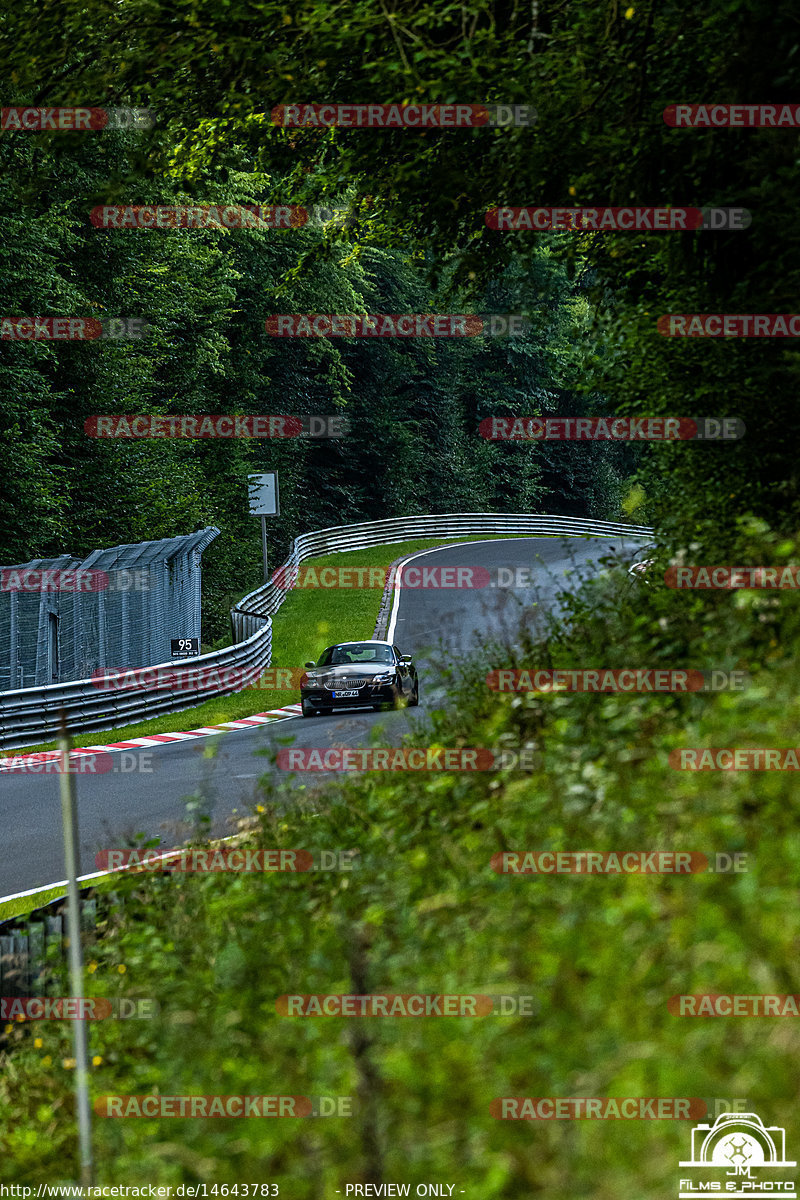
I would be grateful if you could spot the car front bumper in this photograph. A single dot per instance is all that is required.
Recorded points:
(385, 693)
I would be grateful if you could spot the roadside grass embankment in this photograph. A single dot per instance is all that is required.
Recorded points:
(587, 963)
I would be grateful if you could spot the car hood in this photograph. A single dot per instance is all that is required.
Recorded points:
(352, 670)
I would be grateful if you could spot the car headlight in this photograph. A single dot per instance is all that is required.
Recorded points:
(311, 681)
(387, 678)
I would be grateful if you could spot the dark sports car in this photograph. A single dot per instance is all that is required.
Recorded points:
(359, 675)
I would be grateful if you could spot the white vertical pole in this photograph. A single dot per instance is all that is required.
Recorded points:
(69, 817)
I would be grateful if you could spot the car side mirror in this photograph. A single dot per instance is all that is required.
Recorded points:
(311, 664)
(405, 658)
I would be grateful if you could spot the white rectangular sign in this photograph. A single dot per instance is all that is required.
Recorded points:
(263, 491)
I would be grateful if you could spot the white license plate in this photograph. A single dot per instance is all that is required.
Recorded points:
(343, 695)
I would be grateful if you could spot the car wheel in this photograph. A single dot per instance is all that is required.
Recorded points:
(414, 701)
(308, 711)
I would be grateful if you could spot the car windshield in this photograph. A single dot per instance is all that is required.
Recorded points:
(356, 652)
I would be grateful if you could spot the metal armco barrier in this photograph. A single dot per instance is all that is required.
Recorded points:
(266, 600)
(31, 715)
(33, 944)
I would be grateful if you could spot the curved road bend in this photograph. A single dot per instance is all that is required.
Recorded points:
(426, 622)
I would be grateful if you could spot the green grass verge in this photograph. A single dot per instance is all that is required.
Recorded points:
(308, 621)
(26, 904)
(596, 957)
(42, 896)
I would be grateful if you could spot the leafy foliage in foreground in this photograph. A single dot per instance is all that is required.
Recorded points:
(423, 911)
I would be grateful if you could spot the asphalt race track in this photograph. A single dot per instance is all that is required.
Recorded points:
(218, 774)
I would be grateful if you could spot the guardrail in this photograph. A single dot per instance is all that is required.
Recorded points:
(266, 600)
(32, 715)
(33, 944)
